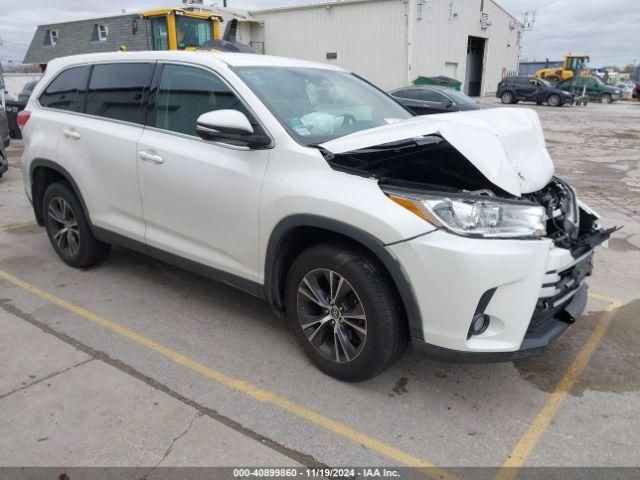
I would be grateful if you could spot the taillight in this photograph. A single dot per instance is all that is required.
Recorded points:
(22, 117)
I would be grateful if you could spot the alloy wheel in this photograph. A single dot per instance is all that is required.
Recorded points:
(64, 226)
(331, 315)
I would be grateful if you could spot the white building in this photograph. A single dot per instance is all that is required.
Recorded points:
(391, 42)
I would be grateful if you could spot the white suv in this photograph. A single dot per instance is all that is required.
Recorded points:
(305, 185)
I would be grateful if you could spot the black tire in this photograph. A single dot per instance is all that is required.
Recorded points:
(61, 202)
(507, 97)
(386, 329)
(606, 98)
(554, 100)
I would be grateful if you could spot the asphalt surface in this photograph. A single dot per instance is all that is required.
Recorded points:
(222, 366)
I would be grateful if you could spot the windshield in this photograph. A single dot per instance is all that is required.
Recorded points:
(460, 98)
(317, 105)
(193, 32)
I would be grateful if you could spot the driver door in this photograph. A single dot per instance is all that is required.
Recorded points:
(200, 200)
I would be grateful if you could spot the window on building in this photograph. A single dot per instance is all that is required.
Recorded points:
(99, 33)
(186, 93)
(103, 31)
(66, 91)
(116, 90)
(50, 38)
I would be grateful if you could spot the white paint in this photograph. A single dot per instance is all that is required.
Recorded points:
(505, 144)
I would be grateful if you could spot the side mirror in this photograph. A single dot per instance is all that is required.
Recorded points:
(229, 126)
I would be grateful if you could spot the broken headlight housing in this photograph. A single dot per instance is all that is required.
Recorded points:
(477, 216)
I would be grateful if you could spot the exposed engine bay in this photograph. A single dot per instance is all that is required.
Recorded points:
(430, 164)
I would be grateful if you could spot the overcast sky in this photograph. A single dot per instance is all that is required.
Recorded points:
(608, 30)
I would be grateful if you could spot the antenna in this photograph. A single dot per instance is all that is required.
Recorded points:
(529, 20)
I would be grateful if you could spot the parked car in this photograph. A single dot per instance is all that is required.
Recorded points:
(423, 100)
(5, 138)
(306, 186)
(636, 91)
(530, 89)
(625, 89)
(592, 87)
(27, 90)
(4, 141)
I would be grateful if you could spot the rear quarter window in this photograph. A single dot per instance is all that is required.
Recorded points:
(116, 90)
(66, 91)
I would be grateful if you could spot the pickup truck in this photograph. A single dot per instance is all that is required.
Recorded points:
(596, 89)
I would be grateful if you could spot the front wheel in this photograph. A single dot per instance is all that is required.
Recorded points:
(606, 98)
(507, 97)
(345, 312)
(554, 100)
(68, 228)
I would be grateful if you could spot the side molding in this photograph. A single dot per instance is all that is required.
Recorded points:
(277, 243)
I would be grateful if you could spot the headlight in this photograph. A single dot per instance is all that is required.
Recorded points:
(475, 216)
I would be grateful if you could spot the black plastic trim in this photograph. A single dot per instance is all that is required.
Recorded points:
(240, 283)
(483, 303)
(272, 290)
(43, 162)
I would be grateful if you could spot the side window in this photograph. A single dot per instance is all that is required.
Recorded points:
(66, 92)
(116, 90)
(403, 94)
(432, 96)
(160, 36)
(185, 93)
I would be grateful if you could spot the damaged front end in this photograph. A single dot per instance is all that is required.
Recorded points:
(434, 180)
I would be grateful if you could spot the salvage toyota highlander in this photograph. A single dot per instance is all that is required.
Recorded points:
(307, 186)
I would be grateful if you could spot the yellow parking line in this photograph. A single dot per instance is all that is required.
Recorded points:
(239, 385)
(17, 226)
(527, 443)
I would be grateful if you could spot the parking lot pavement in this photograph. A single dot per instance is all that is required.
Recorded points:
(204, 347)
(60, 405)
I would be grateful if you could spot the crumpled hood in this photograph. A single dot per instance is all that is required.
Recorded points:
(505, 144)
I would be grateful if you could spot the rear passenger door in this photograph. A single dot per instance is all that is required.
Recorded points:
(200, 199)
(99, 146)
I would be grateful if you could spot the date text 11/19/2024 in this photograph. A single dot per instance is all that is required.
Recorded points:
(365, 472)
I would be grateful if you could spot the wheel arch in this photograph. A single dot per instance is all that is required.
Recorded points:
(295, 233)
(44, 172)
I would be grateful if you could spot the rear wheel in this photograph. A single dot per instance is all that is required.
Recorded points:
(68, 228)
(507, 97)
(554, 100)
(345, 311)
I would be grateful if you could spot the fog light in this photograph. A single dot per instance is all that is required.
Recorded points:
(479, 324)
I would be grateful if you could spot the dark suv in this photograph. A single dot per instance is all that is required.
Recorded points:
(530, 89)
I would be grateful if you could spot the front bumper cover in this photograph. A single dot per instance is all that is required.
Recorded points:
(533, 344)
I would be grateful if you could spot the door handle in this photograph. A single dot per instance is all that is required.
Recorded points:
(151, 157)
(71, 133)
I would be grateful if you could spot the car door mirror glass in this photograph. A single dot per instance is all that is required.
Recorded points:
(229, 126)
